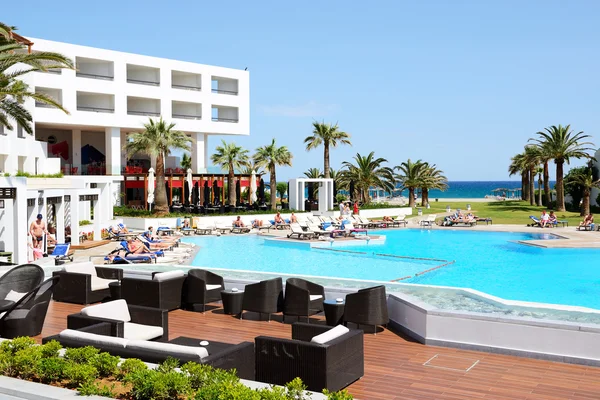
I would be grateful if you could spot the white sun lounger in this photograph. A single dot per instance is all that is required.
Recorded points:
(429, 221)
(297, 231)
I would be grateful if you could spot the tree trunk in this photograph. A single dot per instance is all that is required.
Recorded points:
(231, 183)
(273, 188)
(424, 196)
(540, 191)
(526, 185)
(411, 197)
(326, 160)
(531, 186)
(160, 198)
(547, 184)
(560, 188)
(522, 186)
(585, 206)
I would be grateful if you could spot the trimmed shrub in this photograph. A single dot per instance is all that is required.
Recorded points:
(51, 369)
(129, 366)
(105, 364)
(79, 374)
(82, 355)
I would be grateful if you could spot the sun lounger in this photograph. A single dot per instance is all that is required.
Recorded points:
(535, 221)
(241, 229)
(401, 220)
(122, 256)
(61, 253)
(204, 230)
(298, 231)
(119, 236)
(348, 229)
(223, 228)
(314, 228)
(589, 227)
(157, 253)
(429, 221)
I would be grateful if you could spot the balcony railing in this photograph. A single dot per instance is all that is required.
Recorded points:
(142, 82)
(52, 71)
(230, 92)
(147, 113)
(94, 76)
(43, 105)
(217, 119)
(96, 109)
(186, 116)
(186, 87)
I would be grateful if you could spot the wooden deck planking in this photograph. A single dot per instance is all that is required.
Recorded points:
(394, 364)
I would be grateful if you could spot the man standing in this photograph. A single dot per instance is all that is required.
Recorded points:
(37, 230)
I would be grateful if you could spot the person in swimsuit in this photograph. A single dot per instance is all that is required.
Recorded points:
(37, 229)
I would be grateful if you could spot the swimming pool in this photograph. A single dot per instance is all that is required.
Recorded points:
(491, 262)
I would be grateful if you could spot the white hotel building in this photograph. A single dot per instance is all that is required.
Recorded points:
(110, 94)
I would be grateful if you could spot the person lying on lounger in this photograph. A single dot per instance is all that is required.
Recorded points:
(257, 223)
(544, 218)
(293, 219)
(279, 219)
(587, 221)
(137, 247)
(238, 223)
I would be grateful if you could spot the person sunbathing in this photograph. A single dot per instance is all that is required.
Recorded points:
(279, 219)
(137, 247)
(293, 219)
(544, 218)
(387, 219)
(151, 237)
(257, 223)
(238, 223)
(121, 228)
(552, 220)
(587, 221)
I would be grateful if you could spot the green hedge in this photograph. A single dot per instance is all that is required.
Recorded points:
(92, 372)
(123, 211)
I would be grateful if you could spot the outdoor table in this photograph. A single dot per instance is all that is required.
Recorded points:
(334, 312)
(564, 223)
(212, 347)
(232, 302)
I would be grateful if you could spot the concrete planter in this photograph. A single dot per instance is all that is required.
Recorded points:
(12, 389)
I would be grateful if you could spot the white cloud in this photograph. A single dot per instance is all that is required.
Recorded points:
(310, 109)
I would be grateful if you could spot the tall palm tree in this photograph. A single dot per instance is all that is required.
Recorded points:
(545, 158)
(410, 177)
(186, 161)
(518, 166)
(157, 140)
(586, 181)
(562, 144)
(252, 166)
(271, 156)
(540, 173)
(328, 135)
(432, 178)
(532, 161)
(230, 157)
(314, 173)
(366, 172)
(15, 62)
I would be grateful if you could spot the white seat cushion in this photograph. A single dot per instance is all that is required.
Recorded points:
(14, 296)
(116, 310)
(161, 276)
(16, 314)
(331, 334)
(168, 349)
(141, 332)
(86, 267)
(92, 339)
(212, 287)
(101, 283)
(315, 297)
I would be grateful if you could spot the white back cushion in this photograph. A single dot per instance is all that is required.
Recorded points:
(86, 267)
(331, 334)
(14, 296)
(116, 310)
(161, 276)
(92, 339)
(167, 349)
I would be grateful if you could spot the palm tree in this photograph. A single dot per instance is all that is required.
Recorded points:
(186, 161)
(432, 178)
(540, 173)
(586, 181)
(532, 161)
(410, 177)
(252, 166)
(518, 166)
(15, 62)
(313, 173)
(328, 135)
(366, 172)
(230, 157)
(270, 156)
(562, 144)
(545, 158)
(157, 140)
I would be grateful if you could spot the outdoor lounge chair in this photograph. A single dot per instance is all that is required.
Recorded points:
(298, 231)
(162, 291)
(367, 307)
(26, 317)
(201, 287)
(84, 283)
(535, 221)
(241, 229)
(123, 256)
(401, 220)
(61, 253)
(348, 229)
(119, 236)
(323, 357)
(302, 298)
(152, 253)
(223, 228)
(429, 221)
(314, 228)
(18, 281)
(264, 297)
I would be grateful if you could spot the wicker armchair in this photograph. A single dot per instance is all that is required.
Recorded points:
(265, 297)
(26, 317)
(21, 279)
(302, 298)
(367, 307)
(332, 366)
(164, 294)
(78, 286)
(201, 287)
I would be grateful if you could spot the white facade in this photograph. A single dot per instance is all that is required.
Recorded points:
(112, 93)
(297, 196)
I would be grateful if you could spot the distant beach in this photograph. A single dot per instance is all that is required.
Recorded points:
(471, 190)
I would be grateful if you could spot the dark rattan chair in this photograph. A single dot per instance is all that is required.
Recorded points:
(22, 279)
(367, 307)
(200, 287)
(75, 287)
(265, 297)
(165, 294)
(298, 294)
(332, 366)
(26, 317)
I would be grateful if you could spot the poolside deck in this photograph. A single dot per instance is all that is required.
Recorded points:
(397, 367)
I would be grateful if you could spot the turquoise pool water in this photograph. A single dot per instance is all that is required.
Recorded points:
(491, 262)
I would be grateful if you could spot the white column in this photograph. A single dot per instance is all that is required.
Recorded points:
(123, 153)
(60, 222)
(74, 210)
(113, 150)
(199, 151)
(76, 151)
(15, 238)
(97, 230)
(105, 203)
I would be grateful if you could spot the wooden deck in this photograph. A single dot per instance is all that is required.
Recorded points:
(394, 365)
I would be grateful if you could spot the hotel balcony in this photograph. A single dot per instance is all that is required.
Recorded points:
(185, 110)
(143, 75)
(186, 80)
(56, 94)
(143, 106)
(95, 102)
(95, 69)
(222, 85)
(225, 114)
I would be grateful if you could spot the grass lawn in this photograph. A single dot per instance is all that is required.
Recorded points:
(502, 212)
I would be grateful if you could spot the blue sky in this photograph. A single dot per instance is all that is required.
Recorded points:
(462, 84)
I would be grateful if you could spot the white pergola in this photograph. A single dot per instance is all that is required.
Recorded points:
(297, 197)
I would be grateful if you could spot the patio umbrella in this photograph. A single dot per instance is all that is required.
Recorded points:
(206, 194)
(216, 191)
(238, 192)
(188, 197)
(151, 187)
(196, 194)
(253, 197)
(261, 191)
